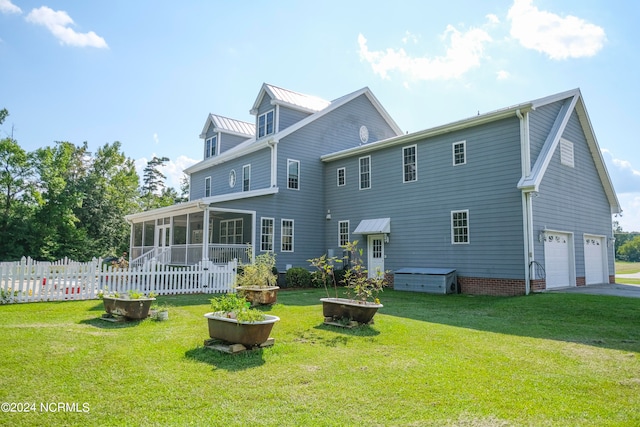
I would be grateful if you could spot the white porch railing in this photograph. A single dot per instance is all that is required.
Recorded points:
(29, 280)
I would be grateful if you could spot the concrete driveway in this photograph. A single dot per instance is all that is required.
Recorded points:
(617, 289)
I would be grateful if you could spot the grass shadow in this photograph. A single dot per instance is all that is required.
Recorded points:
(229, 362)
(356, 331)
(602, 321)
(105, 324)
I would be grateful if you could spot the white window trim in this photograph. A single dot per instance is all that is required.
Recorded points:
(453, 153)
(344, 174)
(207, 146)
(415, 147)
(293, 233)
(360, 174)
(348, 231)
(207, 183)
(453, 242)
(567, 153)
(265, 124)
(273, 228)
(246, 176)
(289, 163)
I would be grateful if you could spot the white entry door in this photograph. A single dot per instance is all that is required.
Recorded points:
(164, 231)
(596, 271)
(375, 251)
(557, 259)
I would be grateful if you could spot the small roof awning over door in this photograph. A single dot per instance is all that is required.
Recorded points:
(374, 226)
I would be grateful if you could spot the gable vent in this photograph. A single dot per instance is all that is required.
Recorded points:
(566, 152)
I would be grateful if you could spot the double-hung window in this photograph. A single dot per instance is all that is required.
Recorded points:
(265, 124)
(343, 233)
(207, 187)
(266, 234)
(365, 172)
(210, 147)
(293, 174)
(286, 235)
(246, 177)
(459, 151)
(460, 227)
(342, 177)
(409, 164)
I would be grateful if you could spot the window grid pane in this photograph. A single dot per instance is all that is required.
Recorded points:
(343, 233)
(460, 227)
(458, 154)
(365, 173)
(286, 237)
(341, 177)
(293, 175)
(409, 162)
(266, 235)
(231, 231)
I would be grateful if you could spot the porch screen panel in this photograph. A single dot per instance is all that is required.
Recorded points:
(149, 233)
(180, 230)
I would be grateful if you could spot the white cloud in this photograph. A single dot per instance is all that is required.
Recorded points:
(503, 75)
(58, 23)
(7, 7)
(155, 138)
(493, 19)
(556, 36)
(626, 181)
(464, 52)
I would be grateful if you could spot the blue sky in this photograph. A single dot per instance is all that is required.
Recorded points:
(147, 73)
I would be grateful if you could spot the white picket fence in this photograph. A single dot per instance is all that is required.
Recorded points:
(28, 280)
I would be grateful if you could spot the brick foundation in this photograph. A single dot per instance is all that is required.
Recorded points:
(581, 281)
(489, 286)
(612, 280)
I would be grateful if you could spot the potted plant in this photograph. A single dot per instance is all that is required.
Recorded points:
(362, 291)
(160, 312)
(234, 321)
(132, 305)
(257, 281)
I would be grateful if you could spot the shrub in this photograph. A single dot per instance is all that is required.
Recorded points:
(298, 277)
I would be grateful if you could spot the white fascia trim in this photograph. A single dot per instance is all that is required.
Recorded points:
(544, 158)
(601, 166)
(239, 195)
(229, 155)
(428, 133)
(277, 102)
(187, 207)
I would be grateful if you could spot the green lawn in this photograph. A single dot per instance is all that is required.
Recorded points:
(429, 360)
(627, 268)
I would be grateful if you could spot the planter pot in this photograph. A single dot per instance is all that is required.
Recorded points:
(342, 308)
(162, 315)
(259, 296)
(129, 308)
(248, 334)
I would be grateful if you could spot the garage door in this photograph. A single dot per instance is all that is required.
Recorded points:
(557, 256)
(594, 260)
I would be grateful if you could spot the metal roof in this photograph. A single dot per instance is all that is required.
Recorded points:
(232, 125)
(294, 99)
(373, 226)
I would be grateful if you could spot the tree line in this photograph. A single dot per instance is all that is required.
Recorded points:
(64, 201)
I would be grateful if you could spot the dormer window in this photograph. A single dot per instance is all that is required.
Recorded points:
(211, 147)
(265, 124)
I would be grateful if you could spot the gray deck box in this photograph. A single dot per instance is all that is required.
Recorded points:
(431, 280)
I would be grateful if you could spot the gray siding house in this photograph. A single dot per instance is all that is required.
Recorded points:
(515, 200)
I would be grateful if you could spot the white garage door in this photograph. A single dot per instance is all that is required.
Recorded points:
(594, 260)
(557, 256)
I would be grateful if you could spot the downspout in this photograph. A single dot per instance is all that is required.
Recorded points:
(527, 210)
